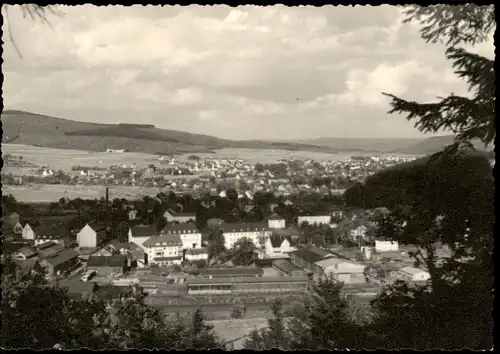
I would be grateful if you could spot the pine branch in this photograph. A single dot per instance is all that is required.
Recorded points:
(467, 24)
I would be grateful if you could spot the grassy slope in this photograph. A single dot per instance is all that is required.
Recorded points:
(45, 131)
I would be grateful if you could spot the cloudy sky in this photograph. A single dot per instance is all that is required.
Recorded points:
(241, 73)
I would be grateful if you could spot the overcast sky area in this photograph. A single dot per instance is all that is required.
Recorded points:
(240, 73)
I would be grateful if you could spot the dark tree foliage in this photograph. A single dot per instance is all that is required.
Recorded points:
(448, 201)
(38, 315)
(320, 322)
(243, 252)
(468, 118)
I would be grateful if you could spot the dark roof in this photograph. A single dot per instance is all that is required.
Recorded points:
(276, 217)
(163, 240)
(242, 227)
(96, 226)
(319, 251)
(285, 266)
(308, 255)
(62, 257)
(53, 230)
(231, 271)
(116, 260)
(51, 251)
(27, 251)
(119, 245)
(277, 240)
(46, 245)
(180, 228)
(174, 214)
(229, 280)
(143, 231)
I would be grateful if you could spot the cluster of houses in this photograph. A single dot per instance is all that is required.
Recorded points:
(181, 241)
(210, 174)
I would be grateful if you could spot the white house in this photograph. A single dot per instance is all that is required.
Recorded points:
(140, 234)
(257, 232)
(277, 246)
(386, 246)
(342, 270)
(172, 216)
(276, 222)
(413, 274)
(18, 228)
(189, 234)
(358, 232)
(90, 236)
(28, 233)
(164, 250)
(41, 239)
(314, 219)
(196, 254)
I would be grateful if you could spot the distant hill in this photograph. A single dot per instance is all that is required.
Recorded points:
(44, 131)
(422, 146)
(371, 144)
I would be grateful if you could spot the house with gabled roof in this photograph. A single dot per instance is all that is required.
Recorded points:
(172, 216)
(191, 237)
(25, 253)
(279, 246)
(165, 249)
(276, 221)
(91, 235)
(258, 232)
(141, 233)
(60, 263)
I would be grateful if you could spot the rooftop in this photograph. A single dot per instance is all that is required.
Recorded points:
(245, 227)
(164, 240)
(116, 260)
(51, 251)
(143, 231)
(307, 255)
(27, 252)
(231, 271)
(180, 228)
(62, 257)
(285, 265)
(229, 280)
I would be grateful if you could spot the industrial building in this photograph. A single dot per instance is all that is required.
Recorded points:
(234, 286)
(246, 272)
(285, 268)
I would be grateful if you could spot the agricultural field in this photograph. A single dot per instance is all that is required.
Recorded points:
(39, 193)
(60, 159)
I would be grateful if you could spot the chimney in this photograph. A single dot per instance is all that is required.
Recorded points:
(107, 194)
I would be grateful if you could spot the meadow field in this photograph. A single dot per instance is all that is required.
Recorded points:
(40, 193)
(60, 159)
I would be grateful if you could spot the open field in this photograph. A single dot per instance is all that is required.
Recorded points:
(61, 159)
(39, 193)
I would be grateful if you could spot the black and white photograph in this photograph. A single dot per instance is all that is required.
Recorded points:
(248, 177)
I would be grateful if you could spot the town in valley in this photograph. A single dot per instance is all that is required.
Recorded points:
(248, 177)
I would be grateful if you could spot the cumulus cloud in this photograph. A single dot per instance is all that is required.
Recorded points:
(244, 73)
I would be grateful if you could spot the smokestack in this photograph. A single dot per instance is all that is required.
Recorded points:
(107, 194)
